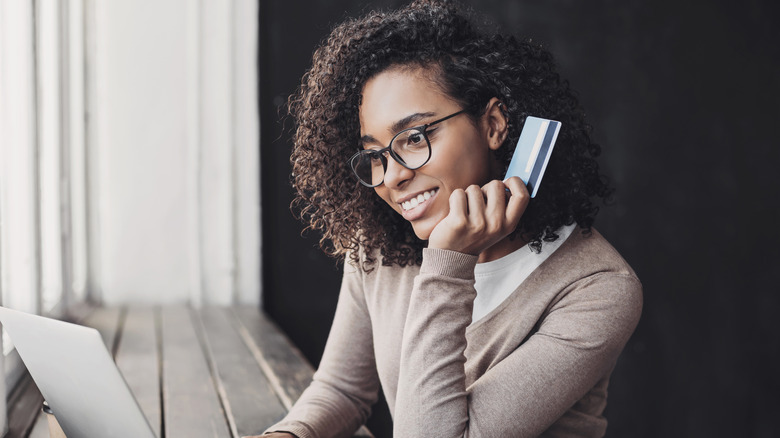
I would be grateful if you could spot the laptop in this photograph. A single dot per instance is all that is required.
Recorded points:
(77, 377)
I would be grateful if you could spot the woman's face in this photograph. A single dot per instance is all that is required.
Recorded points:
(400, 98)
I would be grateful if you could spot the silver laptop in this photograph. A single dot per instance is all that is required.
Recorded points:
(77, 377)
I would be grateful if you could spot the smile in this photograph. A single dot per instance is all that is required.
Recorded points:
(413, 203)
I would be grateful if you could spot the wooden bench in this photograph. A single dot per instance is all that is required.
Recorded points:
(216, 372)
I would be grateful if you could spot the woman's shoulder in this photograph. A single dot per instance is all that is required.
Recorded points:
(587, 262)
(587, 252)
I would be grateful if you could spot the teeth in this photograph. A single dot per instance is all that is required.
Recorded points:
(414, 202)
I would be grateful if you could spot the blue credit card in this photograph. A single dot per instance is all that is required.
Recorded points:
(533, 151)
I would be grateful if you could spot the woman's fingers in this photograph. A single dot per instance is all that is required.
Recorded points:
(459, 209)
(495, 195)
(518, 200)
(480, 216)
(476, 214)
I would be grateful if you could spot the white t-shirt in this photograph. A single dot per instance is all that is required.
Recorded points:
(496, 280)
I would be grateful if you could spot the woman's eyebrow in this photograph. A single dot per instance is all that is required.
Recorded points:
(398, 126)
(409, 120)
(368, 139)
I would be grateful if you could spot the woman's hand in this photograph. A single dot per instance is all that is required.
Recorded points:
(479, 217)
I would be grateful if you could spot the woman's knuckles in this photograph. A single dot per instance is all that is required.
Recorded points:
(458, 223)
(495, 186)
(478, 226)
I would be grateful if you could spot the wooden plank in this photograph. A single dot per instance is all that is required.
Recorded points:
(78, 312)
(287, 369)
(107, 321)
(137, 358)
(40, 428)
(191, 406)
(250, 400)
(24, 404)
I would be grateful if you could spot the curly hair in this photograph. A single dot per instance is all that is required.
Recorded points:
(471, 67)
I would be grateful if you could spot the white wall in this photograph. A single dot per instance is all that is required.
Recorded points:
(138, 151)
(173, 168)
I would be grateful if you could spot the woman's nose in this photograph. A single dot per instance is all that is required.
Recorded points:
(396, 175)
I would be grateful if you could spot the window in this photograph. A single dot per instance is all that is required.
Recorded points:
(42, 161)
(129, 155)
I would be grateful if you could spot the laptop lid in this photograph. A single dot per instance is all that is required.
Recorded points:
(77, 377)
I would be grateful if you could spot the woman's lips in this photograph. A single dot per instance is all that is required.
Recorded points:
(414, 208)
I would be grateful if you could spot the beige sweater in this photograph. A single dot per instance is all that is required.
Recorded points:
(536, 365)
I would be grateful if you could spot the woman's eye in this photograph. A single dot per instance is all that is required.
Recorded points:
(374, 155)
(416, 138)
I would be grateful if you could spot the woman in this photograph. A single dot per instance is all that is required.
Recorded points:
(480, 311)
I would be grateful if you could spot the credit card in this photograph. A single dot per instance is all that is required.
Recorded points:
(533, 151)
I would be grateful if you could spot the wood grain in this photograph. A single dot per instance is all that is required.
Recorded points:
(190, 401)
(105, 320)
(253, 404)
(286, 367)
(276, 353)
(40, 428)
(23, 407)
(215, 372)
(138, 361)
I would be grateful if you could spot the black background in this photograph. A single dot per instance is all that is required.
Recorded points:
(683, 97)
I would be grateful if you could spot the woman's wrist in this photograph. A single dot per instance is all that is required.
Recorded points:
(448, 263)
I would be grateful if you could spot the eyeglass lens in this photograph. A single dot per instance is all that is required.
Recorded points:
(409, 148)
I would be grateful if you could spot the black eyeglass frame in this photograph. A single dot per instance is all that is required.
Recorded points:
(389, 149)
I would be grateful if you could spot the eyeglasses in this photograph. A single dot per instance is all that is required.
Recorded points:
(410, 148)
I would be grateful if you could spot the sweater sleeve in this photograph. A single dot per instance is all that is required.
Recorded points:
(346, 384)
(577, 343)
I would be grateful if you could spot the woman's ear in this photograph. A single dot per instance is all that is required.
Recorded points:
(495, 123)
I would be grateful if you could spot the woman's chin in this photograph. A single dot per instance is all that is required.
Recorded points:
(424, 226)
(422, 231)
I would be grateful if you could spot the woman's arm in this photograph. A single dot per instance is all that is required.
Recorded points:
(346, 384)
(576, 345)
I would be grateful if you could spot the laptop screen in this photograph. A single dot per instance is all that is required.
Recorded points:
(77, 376)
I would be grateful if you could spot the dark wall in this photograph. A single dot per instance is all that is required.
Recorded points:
(683, 97)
